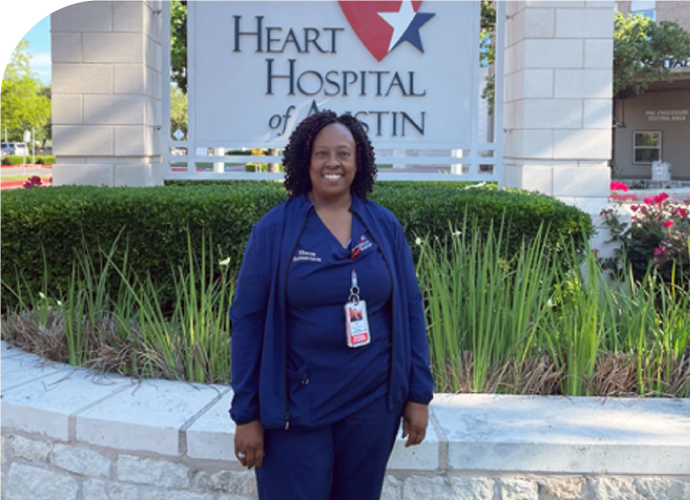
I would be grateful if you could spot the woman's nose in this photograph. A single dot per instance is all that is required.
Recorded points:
(332, 159)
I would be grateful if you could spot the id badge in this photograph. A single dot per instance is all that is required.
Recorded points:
(357, 324)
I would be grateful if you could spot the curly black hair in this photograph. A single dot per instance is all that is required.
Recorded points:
(297, 154)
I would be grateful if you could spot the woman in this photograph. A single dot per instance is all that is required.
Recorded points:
(329, 347)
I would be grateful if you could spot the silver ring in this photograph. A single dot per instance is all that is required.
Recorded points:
(241, 455)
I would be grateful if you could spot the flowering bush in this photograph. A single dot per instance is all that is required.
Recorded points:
(34, 181)
(616, 196)
(658, 234)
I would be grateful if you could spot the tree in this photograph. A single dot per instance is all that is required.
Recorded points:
(487, 52)
(25, 100)
(642, 50)
(178, 43)
(178, 109)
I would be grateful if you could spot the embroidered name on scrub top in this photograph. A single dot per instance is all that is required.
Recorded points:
(306, 255)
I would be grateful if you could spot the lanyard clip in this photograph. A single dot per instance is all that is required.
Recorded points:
(354, 289)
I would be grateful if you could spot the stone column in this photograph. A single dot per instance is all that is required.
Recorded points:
(106, 93)
(558, 99)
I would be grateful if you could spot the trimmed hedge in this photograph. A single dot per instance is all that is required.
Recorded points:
(19, 160)
(68, 220)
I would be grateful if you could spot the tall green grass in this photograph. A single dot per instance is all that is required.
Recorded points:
(480, 304)
(130, 330)
(535, 322)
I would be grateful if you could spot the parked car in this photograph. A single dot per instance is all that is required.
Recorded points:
(15, 148)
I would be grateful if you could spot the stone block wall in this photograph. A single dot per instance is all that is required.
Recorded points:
(36, 467)
(106, 93)
(71, 434)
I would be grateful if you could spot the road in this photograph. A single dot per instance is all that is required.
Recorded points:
(7, 171)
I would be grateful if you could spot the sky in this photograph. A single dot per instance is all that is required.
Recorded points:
(39, 47)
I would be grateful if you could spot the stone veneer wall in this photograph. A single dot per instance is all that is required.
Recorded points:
(38, 468)
(72, 434)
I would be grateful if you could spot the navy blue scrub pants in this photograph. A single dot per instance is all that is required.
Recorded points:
(343, 461)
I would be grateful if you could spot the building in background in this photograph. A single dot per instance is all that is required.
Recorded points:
(655, 126)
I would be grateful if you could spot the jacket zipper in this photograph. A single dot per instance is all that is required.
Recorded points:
(393, 308)
(285, 334)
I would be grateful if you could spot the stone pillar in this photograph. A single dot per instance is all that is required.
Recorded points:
(106, 93)
(558, 99)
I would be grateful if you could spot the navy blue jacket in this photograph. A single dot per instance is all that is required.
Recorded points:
(258, 314)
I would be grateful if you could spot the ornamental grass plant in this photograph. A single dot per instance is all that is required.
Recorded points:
(549, 326)
(529, 321)
(128, 329)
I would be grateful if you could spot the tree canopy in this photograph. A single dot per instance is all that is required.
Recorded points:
(25, 100)
(642, 52)
(178, 43)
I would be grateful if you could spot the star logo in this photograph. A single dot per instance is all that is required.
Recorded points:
(383, 25)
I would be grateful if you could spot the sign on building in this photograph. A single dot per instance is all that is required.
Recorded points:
(407, 70)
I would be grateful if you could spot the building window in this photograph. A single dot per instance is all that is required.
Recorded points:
(647, 147)
(645, 8)
(651, 14)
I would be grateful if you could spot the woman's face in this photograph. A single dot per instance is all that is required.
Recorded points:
(333, 164)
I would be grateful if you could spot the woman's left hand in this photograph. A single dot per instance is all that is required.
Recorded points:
(415, 420)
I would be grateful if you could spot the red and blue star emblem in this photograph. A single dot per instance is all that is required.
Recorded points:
(383, 25)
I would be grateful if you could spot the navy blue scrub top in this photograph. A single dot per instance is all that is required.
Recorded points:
(328, 380)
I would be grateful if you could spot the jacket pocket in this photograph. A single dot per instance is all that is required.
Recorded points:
(299, 396)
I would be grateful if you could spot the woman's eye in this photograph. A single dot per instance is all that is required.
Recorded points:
(344, 154)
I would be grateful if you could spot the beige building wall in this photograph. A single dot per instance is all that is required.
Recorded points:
(676, 11)
(662, 108)
(666, 111)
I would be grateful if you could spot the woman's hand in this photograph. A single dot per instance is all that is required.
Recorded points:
(415, 420)
(249, 444)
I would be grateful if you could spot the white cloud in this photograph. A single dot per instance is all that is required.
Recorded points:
(41, 65)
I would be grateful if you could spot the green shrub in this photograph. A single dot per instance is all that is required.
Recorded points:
(19, 160)
(68, 220)
(431, 208)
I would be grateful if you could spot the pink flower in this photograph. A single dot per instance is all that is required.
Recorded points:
(658, 251)
(668, 223)
(683, 212)
(33, 181)
(618, 186)
(649, 200)
(634, 208)
(661, 197)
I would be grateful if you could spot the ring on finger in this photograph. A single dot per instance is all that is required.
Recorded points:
(241, 455)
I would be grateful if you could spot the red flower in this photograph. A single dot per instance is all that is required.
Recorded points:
(33, 181)
(649, 200)
(683, 212)
(661, 197)
(668, 223)
(618, 186)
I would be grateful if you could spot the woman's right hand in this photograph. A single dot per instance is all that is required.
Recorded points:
(249, 444)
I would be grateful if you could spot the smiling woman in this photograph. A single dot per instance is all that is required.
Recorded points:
(333, 316)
